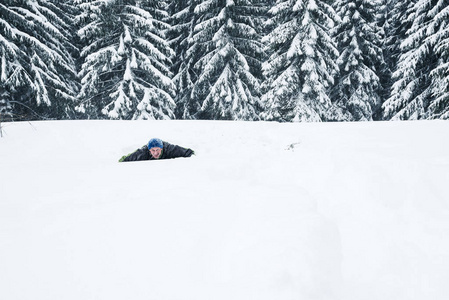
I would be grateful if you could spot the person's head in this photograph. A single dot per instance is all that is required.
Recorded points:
(155, 147)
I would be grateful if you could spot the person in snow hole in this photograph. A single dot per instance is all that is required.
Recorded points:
(157, 149)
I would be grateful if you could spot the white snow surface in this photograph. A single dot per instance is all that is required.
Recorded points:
(263, 211)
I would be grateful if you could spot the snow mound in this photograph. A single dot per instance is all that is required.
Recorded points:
(262, 211)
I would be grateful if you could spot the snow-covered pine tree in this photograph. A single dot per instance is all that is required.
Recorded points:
(126, 59)
(5, 105)
(302, 61)
(225, 53)
(420, 80)
(358, 88)
(12, 73)
(38, 78)
(395, 25)
(182, 20)
(438, 31)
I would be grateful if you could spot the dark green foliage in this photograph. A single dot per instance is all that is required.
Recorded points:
(282, 60)
(358, 88)
(125, 61)
(37, 58)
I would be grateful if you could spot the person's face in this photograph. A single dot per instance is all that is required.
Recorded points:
(156, 152)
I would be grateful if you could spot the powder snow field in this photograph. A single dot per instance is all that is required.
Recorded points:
(264, 211)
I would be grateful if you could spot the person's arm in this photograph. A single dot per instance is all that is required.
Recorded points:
(139, 154)
(173, 151)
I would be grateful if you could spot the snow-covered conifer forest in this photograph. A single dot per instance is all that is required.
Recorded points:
(281, 60)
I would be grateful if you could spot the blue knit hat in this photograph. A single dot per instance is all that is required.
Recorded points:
(155, 143)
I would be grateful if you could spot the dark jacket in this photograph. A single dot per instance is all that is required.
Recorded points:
(168, 151)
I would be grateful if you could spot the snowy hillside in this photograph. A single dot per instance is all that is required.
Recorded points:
(264, 211)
